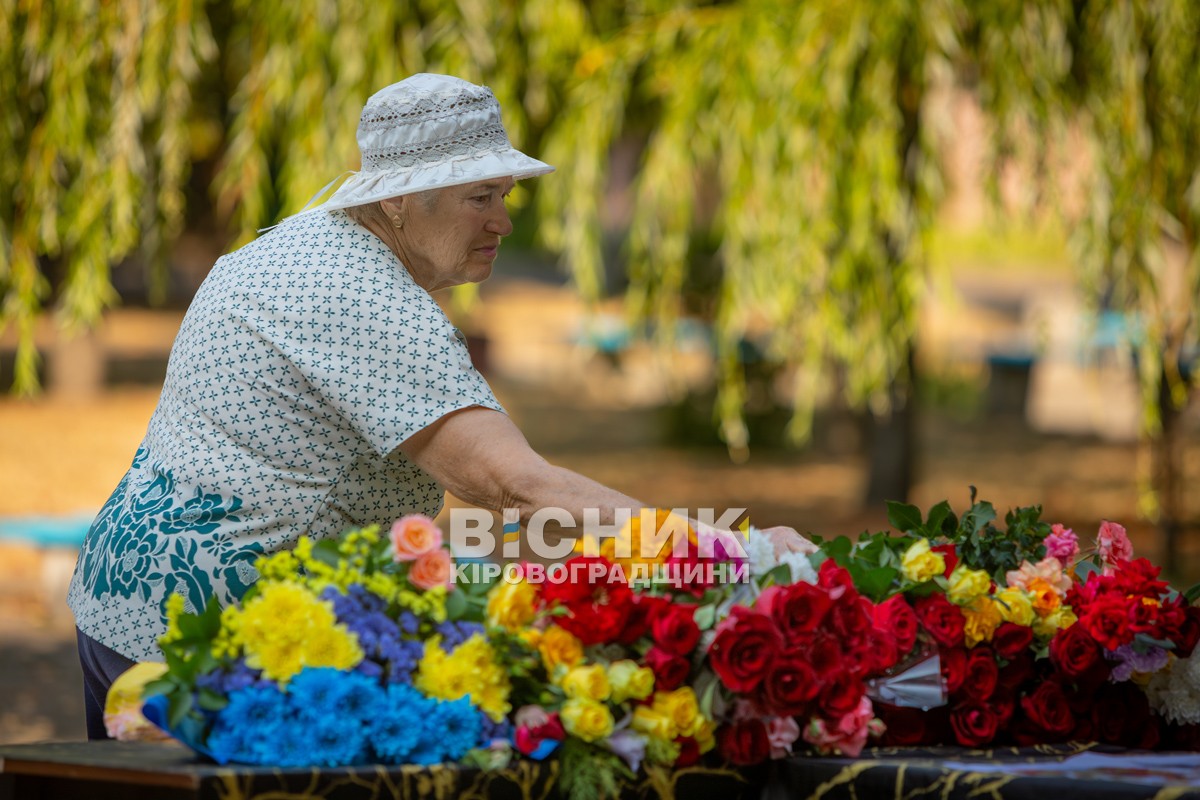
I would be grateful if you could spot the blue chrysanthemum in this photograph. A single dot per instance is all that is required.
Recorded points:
(460, 727)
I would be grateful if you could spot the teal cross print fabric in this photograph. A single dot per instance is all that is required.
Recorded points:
(305, 359)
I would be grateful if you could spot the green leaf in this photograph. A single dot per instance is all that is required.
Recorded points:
(210, 700)
(705, 617)
(941, 520)
(876, 583)
(456, 605)
(838, 549)
(778, 576)
(1192, 593)
(903, 517)
(178, 707)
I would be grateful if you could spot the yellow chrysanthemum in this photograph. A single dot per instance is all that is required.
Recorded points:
(286, 628)
(471, 670)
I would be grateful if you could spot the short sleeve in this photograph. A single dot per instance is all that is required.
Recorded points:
(373, 345)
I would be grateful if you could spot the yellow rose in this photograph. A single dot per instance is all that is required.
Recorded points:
(1047, 626)
(921, 564)
(1015, 607)
(586, 719)
(966, 584)
(511, 605)
(587, 683)
(629, 681)
(1044, 597)
(681, 708)
(982, 619)
(705, 736)
(559, 647)
(653, 723)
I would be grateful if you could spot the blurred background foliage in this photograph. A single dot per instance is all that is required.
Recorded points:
(785, 175)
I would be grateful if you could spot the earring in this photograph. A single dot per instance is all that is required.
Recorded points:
(397, 222)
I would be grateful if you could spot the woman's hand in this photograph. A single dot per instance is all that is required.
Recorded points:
(787, 540)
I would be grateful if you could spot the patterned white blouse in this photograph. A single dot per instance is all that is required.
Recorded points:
(305, 359)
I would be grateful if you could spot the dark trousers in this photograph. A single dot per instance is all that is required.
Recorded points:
(101, 666)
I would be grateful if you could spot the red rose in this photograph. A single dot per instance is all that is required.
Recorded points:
(674, 629)
(797, 609)
(949, 555)
(825, 655)
(980, 675)
(954, 667)
(896, 617)
(790, 684)
(841, 695)
(905, 727)
(746, 645)
(831, 576)
(974, 724)
(1108, 619)
(1075, 652)
(689, 751)
(670, 670)
(942, 619)
(1011, 639)
(744, 743)
(1016, 671)
(1048, 710)
(1121, 715)
(881, 654)
(1003, 701)
(850, 620)
(643, 610)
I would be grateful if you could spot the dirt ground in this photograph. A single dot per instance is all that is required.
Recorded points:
(63, 456)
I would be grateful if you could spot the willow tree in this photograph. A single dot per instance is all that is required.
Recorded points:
(796, 139)
(1123, 76)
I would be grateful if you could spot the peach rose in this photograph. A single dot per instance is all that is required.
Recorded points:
(414, 536)
(431, 569)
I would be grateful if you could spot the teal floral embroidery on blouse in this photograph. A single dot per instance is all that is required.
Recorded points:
(140, 531)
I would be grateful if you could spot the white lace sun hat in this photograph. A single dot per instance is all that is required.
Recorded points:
(426, 132)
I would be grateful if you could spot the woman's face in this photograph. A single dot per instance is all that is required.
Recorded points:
(451, 235)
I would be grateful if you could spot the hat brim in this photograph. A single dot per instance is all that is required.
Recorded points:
(368, 187)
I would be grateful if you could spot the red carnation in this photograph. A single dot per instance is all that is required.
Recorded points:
(746, 645)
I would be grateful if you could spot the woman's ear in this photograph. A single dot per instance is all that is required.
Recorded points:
(394, 209)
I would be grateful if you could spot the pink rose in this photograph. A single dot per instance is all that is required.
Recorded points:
(414, 536)
(1113, 543)
(431, 569)
(782, 732)
(1062, 543)
(846, 736)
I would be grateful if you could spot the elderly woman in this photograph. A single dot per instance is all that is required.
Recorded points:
(316, 385)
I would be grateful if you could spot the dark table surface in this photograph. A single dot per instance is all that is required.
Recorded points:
(144, 771)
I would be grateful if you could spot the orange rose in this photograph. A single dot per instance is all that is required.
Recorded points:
(431, 569)
(414, 536)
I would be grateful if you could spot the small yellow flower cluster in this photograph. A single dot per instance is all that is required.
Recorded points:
(1032, 602)
(286, 628)
(671, 715)
(175, 607)
(470, 670)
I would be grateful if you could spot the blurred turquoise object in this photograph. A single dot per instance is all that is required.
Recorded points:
(47, 531)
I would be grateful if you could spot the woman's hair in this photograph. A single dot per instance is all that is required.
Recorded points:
(374, 211)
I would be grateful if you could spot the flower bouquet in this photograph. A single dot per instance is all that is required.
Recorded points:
(350, 651)
(1038, 641)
